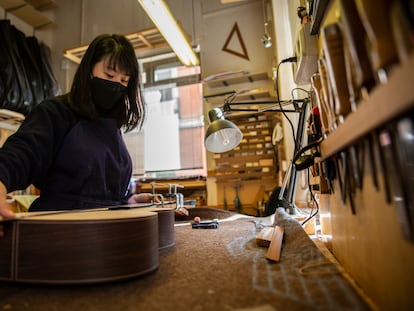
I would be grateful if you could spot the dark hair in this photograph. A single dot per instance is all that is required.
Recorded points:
(120, 54)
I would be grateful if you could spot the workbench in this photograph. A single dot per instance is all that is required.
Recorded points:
(211, 269)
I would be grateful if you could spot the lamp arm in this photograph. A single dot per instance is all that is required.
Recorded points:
(273, 105)
(219, 94)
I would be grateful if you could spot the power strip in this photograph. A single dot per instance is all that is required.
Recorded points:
(306, 51)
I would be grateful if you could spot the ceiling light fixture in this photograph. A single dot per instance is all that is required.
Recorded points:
(266, 39)
(161, 16)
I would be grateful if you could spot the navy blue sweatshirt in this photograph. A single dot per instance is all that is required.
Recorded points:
(75, 163)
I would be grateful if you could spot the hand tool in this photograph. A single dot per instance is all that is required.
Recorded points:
(318, 98)
(349, 182)
(363, 76)
(369, 143)
(225, 199)
(333, 43)
(237, 202)
(403, 131)
(400, 25)
(329, 173)
(326, 94)
(346, 188)
(393, 161)
(335, 67)
(383, 166)
(356, 164)
(205, 224)
(355, 36)
(340, 172)
(374, 15)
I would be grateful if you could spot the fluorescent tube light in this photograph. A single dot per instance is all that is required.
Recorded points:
(161, 16)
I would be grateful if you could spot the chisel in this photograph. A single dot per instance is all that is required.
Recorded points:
(403, 135)
(375, 17)
(398, 194)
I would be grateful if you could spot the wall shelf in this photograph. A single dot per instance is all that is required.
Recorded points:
(254, 158)
(248, 95)
(376, 110)
(236, 79)
(29, 11)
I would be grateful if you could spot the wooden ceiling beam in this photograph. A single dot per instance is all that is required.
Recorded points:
(143, 40)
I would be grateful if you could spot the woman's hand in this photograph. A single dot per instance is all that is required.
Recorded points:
(182, 211)
(142, 198)
(4, 209)
(148, 198)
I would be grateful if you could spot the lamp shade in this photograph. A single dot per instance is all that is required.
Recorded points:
(221, 135)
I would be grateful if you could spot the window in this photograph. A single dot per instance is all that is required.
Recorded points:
(171, 142)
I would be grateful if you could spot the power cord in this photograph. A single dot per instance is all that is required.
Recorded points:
(299, 89)
(286, 60)
(314, 201)
(289, 60)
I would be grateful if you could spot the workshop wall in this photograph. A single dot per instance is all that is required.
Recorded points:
(367, 236)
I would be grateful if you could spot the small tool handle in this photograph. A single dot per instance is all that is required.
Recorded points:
(355, 36)
(376, 20)
(317, 90)
(205, 224)
(336, 69)
(326, 94)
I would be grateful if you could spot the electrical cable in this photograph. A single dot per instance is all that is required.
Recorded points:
(299, 89)
(286, 60)
(314, 201)
(304, 161)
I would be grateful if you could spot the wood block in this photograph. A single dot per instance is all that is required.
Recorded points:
(264, 237)
(275, 247)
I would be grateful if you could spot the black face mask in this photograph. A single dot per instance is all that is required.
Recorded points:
(106, 94)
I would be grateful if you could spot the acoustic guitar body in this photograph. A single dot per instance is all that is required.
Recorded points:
(83, 247)
(166, 219)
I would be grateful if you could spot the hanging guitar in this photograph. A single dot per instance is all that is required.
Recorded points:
(90, 246)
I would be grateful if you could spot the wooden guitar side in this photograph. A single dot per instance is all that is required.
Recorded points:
(84, 247)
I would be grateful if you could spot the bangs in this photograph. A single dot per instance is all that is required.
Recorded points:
(121, 59)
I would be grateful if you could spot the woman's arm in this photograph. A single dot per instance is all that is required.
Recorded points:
(28, 153)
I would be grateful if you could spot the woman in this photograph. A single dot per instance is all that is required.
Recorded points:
(71, 147)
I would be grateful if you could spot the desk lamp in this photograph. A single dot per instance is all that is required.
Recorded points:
(223, 135)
